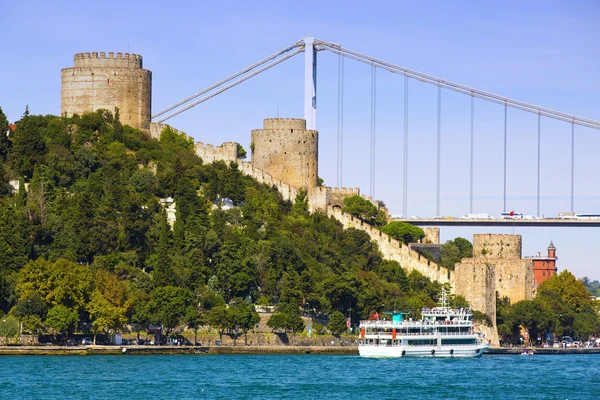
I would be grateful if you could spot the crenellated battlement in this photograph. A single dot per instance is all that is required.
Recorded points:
(284, 123)
(101, 59)
(497, 246)
(227, 151)
(347, 191)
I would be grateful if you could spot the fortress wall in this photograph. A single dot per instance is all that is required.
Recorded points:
(157, 128)
(100, 82)
(227, 152)
(476, 282)
(515, 279)
(433, 249)
(392, 249)
(319, 198)
(339, 194)
(288, 192)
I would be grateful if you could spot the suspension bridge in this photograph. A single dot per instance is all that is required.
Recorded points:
(311, 46)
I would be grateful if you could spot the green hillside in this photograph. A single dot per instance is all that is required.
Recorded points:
(89, 240)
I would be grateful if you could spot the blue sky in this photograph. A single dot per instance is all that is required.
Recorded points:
(542, 52)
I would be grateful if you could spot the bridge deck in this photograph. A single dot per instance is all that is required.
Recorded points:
(548, 222)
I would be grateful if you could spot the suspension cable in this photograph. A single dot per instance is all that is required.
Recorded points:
(237, 82)
(221, 82)
(337, 49)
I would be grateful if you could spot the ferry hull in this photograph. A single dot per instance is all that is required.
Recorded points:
(423, 351)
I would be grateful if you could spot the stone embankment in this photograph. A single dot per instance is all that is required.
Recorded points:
(169, 350)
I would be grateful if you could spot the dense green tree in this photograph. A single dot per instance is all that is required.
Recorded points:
(168, 306)
(404, 232)
(453, 251)
(365, 210)
(219, 318)
(337, 323)
(4, 138)
(109, 303)
(62, 319)
(28, 144)
(9, 327)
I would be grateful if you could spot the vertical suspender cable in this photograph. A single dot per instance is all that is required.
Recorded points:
(405, 158)
(342, 127)
(572, 165)
(505, 123)
(539, 147)
(371, 139)
(374, 126)
(338, 122)
(439, 149)
(472, 145)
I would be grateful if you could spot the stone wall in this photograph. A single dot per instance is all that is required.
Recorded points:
(286, 150)
(287, 192)
(433, 249)
(392, 249)
(115, 81)
(227, 152)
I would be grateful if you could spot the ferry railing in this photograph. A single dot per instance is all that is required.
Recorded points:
(415, 323)
(388, 335)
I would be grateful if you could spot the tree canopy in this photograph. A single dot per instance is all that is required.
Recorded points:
(365, 210)
(404, 232)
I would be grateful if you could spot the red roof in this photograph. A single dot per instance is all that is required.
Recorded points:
(12, 127)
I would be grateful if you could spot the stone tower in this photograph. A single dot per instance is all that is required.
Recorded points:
(287, 151)
(97, 82)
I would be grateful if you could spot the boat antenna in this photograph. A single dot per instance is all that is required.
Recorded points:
(444, 300)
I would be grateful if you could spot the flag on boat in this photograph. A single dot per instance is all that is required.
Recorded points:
(512, 213)
(375, 315)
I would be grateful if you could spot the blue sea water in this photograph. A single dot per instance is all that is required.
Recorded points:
(298, 377)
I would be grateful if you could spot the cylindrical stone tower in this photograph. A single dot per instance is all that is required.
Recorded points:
(107, 82)
(287, 151)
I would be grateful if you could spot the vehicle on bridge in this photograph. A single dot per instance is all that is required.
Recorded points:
(587, 216)
(511, 215)
(477, 216)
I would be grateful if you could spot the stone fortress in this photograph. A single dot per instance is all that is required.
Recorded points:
(285, 156)
(109, 82)
(285, 149)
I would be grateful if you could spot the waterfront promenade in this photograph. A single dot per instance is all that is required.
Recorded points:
(155, 350)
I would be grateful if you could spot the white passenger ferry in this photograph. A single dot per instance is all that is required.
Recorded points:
(441, 332)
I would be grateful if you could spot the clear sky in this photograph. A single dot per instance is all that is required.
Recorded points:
(542, 52)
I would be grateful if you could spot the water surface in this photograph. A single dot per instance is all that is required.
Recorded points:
(298, 377)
